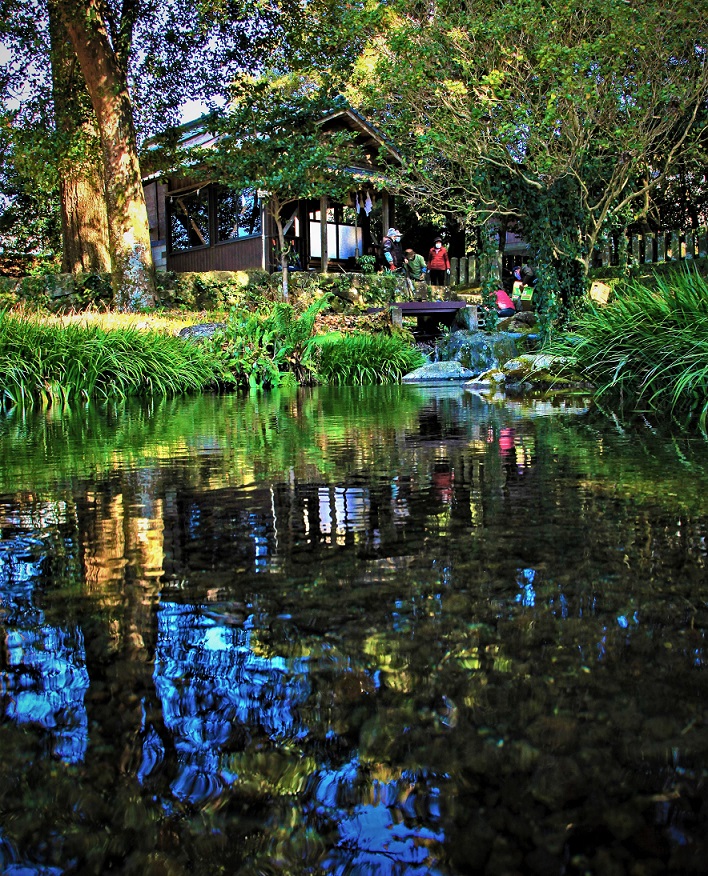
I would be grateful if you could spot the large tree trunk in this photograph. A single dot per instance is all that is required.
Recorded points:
(84, 222)
(107, 85)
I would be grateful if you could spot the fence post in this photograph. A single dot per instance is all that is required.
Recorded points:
(661, 246)
(472, 272)
(648, 247)
(674, 250)
(702, 242)
(454, 268)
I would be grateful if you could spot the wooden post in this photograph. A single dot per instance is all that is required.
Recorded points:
(324, 250)
(463, 272)
(661, 246)
(689, 250)
(454, 271)
(385, 212)
(634, 248)
(473, 270)
(674, 251)
(648, 248)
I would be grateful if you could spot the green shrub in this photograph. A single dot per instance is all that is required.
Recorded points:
(260, 350)
(364, 358)
(648, 348)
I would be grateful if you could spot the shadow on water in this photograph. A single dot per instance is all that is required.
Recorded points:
(385, 631)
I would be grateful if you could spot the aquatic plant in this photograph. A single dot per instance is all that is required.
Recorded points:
(365, 358)
(45, 364)
(648, 349)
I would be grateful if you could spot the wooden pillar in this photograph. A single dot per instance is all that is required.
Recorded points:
(304, 249)
(463, 272)
(323, 234)
(385, 213)
(661, 246)
(675, 250)
(365, 223)
(648, 248)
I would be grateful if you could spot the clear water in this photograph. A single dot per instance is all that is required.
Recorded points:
(380, 631)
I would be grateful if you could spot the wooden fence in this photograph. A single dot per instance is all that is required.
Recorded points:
(649, 248)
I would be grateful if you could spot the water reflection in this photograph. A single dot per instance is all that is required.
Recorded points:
(343, 632)
(43, 677)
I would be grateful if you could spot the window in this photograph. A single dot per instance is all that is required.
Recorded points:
(238, 214)
(189, 220)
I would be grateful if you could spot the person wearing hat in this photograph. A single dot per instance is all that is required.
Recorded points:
(414, 268)
(438, 263)
(392, 250)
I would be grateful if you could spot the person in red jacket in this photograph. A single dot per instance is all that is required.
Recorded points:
(438, 263)
(505, 306)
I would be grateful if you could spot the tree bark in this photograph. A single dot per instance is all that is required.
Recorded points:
(107, 84)
(84, 222)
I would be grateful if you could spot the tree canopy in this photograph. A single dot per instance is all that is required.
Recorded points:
(561, 117)
(137, 62)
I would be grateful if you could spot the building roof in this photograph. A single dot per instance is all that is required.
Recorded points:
(197, 134)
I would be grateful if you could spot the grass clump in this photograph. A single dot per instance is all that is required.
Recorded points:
(44, 363)
(648, 349)
(366, 359)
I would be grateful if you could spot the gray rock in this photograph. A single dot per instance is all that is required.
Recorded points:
(202, 331)
(478, 351)
(436, 371)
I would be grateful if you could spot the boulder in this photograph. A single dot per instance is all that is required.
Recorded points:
(478, 351)
(437, 371)
(202, 331)
(529, 372)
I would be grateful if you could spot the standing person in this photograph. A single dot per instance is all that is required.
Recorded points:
(414, 267)
(392, 250)
(438, 263)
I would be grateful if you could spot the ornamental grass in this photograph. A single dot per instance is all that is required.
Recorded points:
(43, 363)
(648, 349)
(361, 359)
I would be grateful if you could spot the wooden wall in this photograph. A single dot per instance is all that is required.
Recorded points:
(233, 255)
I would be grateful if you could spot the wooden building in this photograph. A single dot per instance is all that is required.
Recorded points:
(199, 225)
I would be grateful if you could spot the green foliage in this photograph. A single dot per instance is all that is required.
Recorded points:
(272, 139)
(366, 263)
(648, 349)
(30, 224)
(261, 350)
(213, 290)
(555, 119)
(45, 365)
(365, 359)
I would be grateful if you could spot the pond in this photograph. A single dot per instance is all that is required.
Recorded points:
(390, 630)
